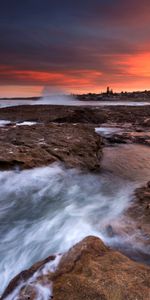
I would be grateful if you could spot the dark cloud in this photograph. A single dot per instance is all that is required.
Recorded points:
(68, 36)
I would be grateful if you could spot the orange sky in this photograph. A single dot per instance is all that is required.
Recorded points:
(75, 46)
(135, 75)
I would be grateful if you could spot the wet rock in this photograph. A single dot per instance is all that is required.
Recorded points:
(73, 114)
(42, 144)
(143, 200)
(148, 184)
(110, 231)
(116, 139)
(92, 271)
(129, 137)
(23, 281)
(147, 122)
(53, 113)
(139, 213)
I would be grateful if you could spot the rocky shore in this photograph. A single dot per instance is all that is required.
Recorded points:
(134, 115)
(66, 134)
(90, 270)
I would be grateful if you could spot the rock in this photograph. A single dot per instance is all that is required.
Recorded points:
(77, 114)
(142, 201)
(42, 144)
(139, 213)
(110, 231)
(148, 184)
(116, 139)
(89, 271)
(53, 113)
(129, 137)
(147, 122)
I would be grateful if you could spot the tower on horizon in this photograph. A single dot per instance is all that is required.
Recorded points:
(109, 91)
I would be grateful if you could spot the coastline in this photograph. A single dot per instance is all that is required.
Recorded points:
(71, 130)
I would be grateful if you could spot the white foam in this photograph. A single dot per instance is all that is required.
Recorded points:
(107, 131)
(26, 123)
(43, 289)
(50, 209)
(68, 100)
(4, 123)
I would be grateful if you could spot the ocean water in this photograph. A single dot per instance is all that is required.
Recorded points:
(64, 100)
(47, 210)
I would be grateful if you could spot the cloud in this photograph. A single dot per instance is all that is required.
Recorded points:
(78, 44)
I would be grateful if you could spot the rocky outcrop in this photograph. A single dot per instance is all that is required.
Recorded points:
(73, 114)
(42, 144)
(134, 227)
(142, 137)
(140, 211)
(143, 202)
(89, 271)
(53, 113)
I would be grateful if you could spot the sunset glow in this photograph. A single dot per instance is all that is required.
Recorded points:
(80, 48)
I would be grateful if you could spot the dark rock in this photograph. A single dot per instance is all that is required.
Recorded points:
(139, 212)
(72, 114)
(110, 231)
(147, 122)
(116, 139)
(148, 184)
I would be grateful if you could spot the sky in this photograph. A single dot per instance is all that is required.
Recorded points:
(74, 46)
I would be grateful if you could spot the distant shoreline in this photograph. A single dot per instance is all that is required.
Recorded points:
(108, 96)
(21, 98)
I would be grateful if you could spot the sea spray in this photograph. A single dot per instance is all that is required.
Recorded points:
(47, 210)
(43, 289)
